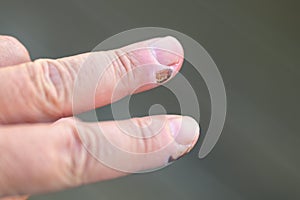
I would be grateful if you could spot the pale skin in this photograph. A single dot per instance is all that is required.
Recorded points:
(40, 150)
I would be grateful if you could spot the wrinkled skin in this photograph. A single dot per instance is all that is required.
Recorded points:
(41, 150)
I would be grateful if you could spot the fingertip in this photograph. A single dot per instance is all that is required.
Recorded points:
(168, 51)
(185, 130)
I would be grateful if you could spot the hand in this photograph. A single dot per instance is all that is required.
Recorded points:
(40, 147)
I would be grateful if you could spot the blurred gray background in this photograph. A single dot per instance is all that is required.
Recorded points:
(255, 44)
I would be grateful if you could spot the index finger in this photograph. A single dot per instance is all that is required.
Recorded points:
(43, 90)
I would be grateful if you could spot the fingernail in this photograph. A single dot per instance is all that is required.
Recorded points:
(163, 75)
(185, 131)
(167, 51)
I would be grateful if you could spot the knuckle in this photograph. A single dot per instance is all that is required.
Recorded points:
(16, 45)
(151, 139)
(10, 38)
(124, 60)
(122, 63)
(146, 145)
(52, 88)
(161, 136)
(76, 158)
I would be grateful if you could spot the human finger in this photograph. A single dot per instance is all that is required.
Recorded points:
(12, 51)
(43, 90)
(50, 157)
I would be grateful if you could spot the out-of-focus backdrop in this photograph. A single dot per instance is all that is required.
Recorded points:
(256, 46)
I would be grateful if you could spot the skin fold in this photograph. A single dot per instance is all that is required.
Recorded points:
(43, 148)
